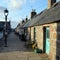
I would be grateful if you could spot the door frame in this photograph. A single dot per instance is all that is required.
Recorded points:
(44, 39)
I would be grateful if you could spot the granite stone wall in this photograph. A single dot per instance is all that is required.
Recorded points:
(54, 38)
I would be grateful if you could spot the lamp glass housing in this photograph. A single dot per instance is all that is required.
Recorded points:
(6, 12)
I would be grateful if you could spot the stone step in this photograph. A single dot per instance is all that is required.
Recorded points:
(44, 56)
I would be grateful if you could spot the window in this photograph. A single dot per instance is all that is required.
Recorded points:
(34, 34)
(47, 31)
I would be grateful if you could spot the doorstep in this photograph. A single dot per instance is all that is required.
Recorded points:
(44, 56)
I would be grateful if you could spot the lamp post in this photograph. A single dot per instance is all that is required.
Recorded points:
(6, 14)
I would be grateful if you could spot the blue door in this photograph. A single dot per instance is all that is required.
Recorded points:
(47, 40)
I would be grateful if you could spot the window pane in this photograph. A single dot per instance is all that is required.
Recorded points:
(34, 34)
(47, 31)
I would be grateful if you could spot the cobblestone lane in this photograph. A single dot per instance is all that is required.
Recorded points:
(17, 51)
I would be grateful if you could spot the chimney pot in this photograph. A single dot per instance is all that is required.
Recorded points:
(26, 19)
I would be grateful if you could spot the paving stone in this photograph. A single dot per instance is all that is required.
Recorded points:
(17, 51)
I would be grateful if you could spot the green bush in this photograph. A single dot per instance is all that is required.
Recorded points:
(37, 50)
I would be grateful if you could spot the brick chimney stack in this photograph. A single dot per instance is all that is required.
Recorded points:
(33, 13)
(50, 3)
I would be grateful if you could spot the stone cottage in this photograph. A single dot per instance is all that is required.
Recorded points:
(44, 29)
(28, 29)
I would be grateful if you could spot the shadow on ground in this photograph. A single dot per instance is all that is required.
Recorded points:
(14, 44)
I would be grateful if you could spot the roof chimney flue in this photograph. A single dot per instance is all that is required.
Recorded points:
(50, 3)
(33, 13)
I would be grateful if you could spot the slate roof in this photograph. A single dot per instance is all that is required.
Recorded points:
(46, 16)
(51, 15)
(27, 24)
(22, 24)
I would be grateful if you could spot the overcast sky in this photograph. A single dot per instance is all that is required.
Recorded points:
(19, 9)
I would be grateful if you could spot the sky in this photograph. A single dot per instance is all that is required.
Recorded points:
(19, 9)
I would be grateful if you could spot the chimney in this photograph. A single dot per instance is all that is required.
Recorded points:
(23, 21)
(33, 13)
(26, 19)
(50, 3)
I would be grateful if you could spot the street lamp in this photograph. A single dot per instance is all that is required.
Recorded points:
(6, 14)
